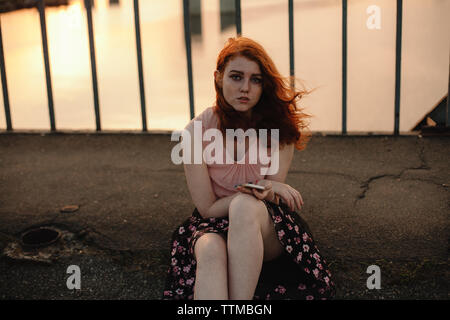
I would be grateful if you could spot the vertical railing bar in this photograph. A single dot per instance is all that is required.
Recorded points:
(447, 118)
(4, 84)
(237, 8)
(398, 59)
(187, 39)
(88, 5)
(140, 64)
(291, 43)
(344, 66)
(41, 8)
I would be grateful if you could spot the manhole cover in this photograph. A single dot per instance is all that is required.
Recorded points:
(40, 237)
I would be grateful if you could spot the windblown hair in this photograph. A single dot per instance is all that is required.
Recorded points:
(277, 107)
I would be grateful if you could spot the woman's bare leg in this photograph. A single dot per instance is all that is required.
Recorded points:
(251, 239)
(211, 274)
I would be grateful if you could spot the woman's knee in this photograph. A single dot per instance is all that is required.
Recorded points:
(210, 248)
(245, 210)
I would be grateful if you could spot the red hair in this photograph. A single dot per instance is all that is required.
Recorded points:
(277, 107)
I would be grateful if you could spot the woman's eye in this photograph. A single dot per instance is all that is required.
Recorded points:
(256, 80)
(236, 77)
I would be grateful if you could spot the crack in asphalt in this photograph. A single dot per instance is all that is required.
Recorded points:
(327, 173)
(423, 166)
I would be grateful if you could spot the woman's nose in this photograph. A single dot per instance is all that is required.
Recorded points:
(245, 85)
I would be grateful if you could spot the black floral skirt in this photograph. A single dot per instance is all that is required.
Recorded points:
(301, 272)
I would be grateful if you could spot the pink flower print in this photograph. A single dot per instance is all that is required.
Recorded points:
(190, 281)
(186, 269)
(289, 226)
(309, 298)
(327, 280)
(305, 237)
(299, 257)
(277, 219)
(180, 249)
(320, 266)
(301, 286)
(212, 220)
(174, 261)
(176, 269)
(179, 291)
(309, 261)
(175, 243)
(296, 229)
(281, 234)
(167, 293)
(316, 273)
(192, 228)
(307, 270)
(181, 230)
(280, 289)
(316, 256)
(289, 249)
(174, 250)
(321, 290)
(181, 282)
(305, 248)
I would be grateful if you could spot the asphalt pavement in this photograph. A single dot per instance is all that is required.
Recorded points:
(369, 200)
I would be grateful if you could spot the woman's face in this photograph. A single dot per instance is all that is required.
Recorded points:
(241, 84)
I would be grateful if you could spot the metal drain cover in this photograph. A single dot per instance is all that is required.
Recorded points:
(40, 237)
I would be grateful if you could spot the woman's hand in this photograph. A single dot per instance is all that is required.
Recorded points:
(290, 196)
(266, 194)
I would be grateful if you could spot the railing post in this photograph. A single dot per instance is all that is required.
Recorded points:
(88, 5)
(41, 8)
(344, 66)
(291, 43)
(4, 84)
(237, 4)
(447, 118)
(187, 39)
(398, 62)
(140, 67)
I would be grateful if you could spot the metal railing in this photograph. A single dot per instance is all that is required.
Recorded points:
(187, 34)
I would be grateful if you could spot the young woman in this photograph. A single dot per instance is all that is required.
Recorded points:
(243, 243)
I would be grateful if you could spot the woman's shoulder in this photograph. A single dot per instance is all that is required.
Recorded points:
(207, 117)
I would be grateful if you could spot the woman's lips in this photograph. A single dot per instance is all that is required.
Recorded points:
(243, 100)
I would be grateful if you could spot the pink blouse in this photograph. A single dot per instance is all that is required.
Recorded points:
(225, 176)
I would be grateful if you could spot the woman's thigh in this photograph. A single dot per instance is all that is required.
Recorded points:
(272, 246)
(246, 209)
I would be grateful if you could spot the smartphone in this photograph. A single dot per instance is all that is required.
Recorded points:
(251, 186)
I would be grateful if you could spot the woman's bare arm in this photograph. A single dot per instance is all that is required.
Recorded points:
(286, 155)
(200, 188)
(199, 185)
(289, 195)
